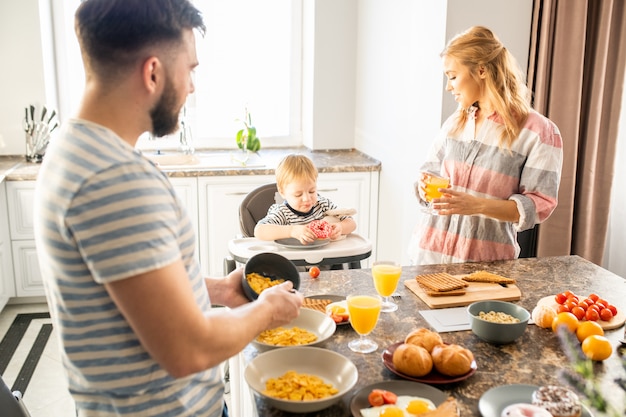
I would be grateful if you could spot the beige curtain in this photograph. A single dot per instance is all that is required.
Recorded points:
(576, 71)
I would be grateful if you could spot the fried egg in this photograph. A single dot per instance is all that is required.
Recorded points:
(405, 406)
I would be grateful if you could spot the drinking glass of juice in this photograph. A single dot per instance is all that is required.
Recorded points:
(432, 184)
(386, 275)
(364, 311)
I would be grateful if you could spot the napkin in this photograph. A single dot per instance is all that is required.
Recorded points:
(447, 319)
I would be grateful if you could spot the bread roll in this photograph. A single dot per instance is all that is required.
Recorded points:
(424, 338)
(412, 360)
(452, 360)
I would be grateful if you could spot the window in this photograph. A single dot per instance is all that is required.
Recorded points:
(249, 58)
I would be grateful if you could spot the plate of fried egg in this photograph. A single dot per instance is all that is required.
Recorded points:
(413, 398)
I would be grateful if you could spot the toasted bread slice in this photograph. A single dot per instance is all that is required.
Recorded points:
(441, 282)
(485, 276)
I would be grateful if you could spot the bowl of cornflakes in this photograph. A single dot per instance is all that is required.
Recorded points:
(265, 270)
(277, 376)
(310, 328)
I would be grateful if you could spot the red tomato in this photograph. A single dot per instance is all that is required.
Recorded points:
(379, 397)
(613, 309)
(592, 314)
(590, 301)
(602, 303)
(594, 297)
(579, 312)
(314, 272)
(375, 398)
(583, 305)
(572, 298)
(568, 293)
(560, 298)
(594, 307)
(605, 314)
(562, 308)
(570, 304)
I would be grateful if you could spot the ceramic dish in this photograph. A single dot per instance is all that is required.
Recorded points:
(433, 377)
(494, 401)
(293, 243)
(332, 367)
(344, 305)
(359, 400)
(311, 320)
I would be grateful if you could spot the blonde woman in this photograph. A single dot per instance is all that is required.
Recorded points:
(502, 157)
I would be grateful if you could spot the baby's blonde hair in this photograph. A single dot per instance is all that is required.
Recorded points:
(294, 167)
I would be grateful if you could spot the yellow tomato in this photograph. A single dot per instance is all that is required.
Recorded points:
(597, 348)
(565, 319)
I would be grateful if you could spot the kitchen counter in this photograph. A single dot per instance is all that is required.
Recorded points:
(535, 358)
(15, 168)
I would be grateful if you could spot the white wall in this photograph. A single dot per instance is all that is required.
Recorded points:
(22, 74)
(614, 259)
(400, 91)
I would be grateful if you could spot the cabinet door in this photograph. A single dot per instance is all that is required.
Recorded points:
(187, 190)
(219, 200)
(7, 285)
(21, 197)
(28, 281)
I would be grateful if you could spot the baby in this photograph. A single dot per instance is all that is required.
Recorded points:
(296, 180)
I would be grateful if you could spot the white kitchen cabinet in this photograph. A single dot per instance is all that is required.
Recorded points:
(187, 190)
(7, 284)
(220, 197)
(27, 277)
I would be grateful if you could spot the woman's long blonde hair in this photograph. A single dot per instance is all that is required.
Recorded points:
(504, 85)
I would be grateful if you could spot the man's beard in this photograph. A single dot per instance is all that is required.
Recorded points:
(164, 115)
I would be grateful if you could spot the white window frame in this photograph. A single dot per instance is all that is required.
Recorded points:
(70, 82)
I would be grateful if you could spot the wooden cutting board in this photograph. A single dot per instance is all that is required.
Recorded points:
(476, 291)
(615, 323)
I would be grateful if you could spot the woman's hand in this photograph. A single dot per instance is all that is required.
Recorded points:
(458, 202)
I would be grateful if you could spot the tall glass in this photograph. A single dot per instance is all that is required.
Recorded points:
(433, 183)
(364, 311)
(386, 275)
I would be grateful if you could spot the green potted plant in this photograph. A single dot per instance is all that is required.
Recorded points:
(247, 139)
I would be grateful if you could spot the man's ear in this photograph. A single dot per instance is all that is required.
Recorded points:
(152, 74)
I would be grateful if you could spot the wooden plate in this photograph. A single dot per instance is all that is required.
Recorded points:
(614, 323)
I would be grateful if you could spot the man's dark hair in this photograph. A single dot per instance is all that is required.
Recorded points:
(112, 33)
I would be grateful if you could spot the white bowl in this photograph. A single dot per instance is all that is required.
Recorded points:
(314, 321)
(332, 367)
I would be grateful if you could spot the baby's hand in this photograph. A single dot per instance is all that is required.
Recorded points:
(335, 231)
(303, 234)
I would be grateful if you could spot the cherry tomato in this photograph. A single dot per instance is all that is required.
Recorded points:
(570, 304)
(613, 309)
(561, 308)
(579, 312)
(594, 307)
(583, 305)
(594, 297)
(602, 303)
(568, 293)
(590, 301)
(605, 314)
(314, 272)
(336, 318)
(572, 298)
(560, 298)
(375, 398)
(592, 314)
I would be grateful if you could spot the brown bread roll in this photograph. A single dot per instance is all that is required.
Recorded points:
(412, 360)
(452, 360)
(425, 338)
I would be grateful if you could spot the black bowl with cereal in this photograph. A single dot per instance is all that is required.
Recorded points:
(267, 269)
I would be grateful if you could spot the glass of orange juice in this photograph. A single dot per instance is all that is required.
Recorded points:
(386, 275)
(364, 311)
(432, 183)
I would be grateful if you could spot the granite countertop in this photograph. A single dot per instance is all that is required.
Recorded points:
(15, 168)
(534, 359)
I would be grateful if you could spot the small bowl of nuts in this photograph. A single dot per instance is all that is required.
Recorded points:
(497, 322)
(265, 270)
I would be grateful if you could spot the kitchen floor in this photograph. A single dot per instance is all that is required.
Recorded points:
(46, 394)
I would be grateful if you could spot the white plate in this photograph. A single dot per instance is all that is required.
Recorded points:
(343, 304)
(293, 243)
(494, 401)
